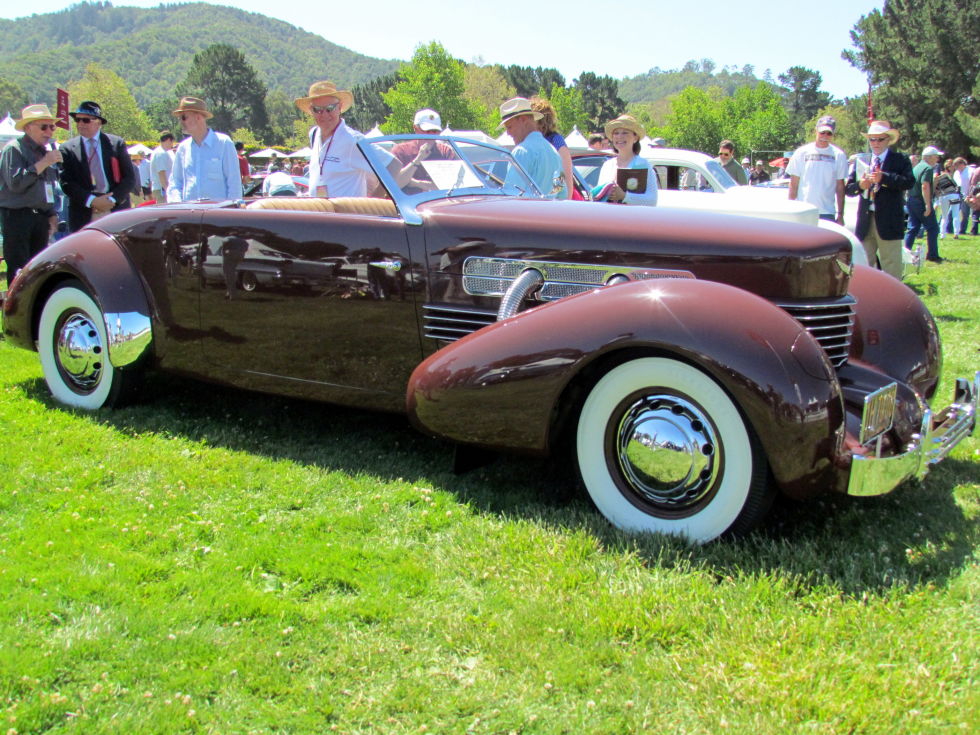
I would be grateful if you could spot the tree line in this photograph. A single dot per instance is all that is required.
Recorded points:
(757, 114)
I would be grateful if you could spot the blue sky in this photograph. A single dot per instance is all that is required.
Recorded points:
(618, 39)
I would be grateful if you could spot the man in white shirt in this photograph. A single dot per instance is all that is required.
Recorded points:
(817, 171)
(963, 181)
(337, 166)
(206, 164)
(161, 164)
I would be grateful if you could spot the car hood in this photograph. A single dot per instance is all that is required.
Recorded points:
(776, 260)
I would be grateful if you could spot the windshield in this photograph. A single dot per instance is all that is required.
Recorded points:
(723, 177)
(416, 168)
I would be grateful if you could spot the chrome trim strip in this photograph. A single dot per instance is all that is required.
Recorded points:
(936, 439)
(130, 334)
(483, 276)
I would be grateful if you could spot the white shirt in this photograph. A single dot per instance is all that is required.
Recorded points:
(206, 171)
(160, 160)
(819, 170)
(337, 166)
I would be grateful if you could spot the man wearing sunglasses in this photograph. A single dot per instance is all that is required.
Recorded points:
(337, 167)
(817, 171)
(880, 180)
(206, 163)
(27, 194)
(98, 174)
(726, 157)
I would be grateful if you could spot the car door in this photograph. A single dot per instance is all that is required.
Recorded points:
(310, 303)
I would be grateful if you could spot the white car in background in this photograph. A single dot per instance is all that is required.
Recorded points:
(693, 180)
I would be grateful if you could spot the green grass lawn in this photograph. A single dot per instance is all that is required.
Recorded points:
(213, 561)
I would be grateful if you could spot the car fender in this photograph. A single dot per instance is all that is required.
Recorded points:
(97, 260)
(894, 339)
(894, 332)
(509, 385)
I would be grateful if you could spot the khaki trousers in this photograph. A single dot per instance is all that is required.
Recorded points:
(887, 252)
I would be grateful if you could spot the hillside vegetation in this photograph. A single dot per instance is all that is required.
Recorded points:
(152, 49)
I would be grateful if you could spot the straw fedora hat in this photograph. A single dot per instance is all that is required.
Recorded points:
(34, 113)
(325, 89)
(882, 127)
(193, 104)
(627, 122)
(516, 107)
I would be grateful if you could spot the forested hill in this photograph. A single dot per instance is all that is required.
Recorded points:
(151, 49)
(658, 83)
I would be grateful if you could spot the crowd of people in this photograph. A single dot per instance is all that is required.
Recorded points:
(97, 175)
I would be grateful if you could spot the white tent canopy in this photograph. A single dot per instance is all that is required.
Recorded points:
(139, 148)
(477, 135)
(575, 139)
(301, 153)
(266, 153)
(374, 132)
(7, 130)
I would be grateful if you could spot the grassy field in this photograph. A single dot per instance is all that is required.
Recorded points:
(212, 561)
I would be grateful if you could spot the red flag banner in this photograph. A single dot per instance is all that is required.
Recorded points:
(62, 113)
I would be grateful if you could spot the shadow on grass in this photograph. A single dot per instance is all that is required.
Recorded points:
(916, 535)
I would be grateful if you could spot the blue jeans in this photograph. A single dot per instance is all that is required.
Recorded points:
(918, 220)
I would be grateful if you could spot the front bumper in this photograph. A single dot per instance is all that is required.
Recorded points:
(939, 433)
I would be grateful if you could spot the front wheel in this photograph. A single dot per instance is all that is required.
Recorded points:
(661, 448)
(72, 344)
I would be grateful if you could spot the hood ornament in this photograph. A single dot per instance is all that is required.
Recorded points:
(846, 268)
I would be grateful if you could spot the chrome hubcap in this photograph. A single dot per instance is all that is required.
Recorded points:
(80, 352)
(667, 451)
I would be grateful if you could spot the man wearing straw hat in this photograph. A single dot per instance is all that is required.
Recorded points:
(533, 151)
(98, 175)
(27, 180)
(337, 167)
(881, 186)
(206, 164)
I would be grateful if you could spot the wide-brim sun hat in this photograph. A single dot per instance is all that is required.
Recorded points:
(325, 89)
(626, 122)
(516, 107)
(193, 104)
(882, 127)
(34, 113)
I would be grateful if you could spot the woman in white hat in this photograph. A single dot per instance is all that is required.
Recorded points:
(627, 177)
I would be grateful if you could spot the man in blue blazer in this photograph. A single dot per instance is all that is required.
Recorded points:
(97, 175)
(881, 181)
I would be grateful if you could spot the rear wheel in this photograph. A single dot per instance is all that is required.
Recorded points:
(73, 347)
(662, 448)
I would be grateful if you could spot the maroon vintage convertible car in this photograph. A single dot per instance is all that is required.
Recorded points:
(693, 365)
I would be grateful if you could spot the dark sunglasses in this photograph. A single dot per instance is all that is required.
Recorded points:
(47, 126)
(825, 132)
(84, 120)
(878, 140)
(317, 109)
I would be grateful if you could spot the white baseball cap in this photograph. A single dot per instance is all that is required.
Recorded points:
(931, 150)
(428, 120)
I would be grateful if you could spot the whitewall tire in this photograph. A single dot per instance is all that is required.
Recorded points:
(73, 347)
(662, 448)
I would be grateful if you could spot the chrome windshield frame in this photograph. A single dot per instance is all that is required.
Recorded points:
(408, 203)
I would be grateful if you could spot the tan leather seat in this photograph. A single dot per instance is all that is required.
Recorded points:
(299, 204)
(364, 205)
(342, 205)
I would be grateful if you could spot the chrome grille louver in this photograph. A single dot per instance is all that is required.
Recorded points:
(830, 322)
(450, 323)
